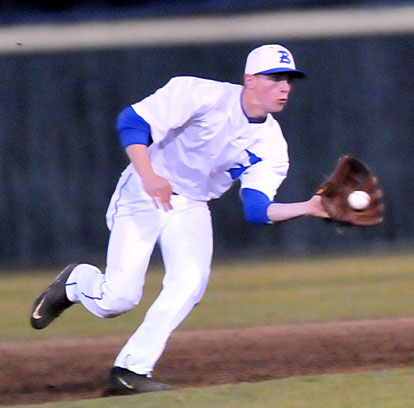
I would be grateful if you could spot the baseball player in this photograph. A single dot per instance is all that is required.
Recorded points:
(187, 143)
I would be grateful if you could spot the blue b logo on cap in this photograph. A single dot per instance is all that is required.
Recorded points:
(284, 57)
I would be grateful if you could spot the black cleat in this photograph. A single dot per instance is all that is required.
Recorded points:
(123, 381)
(52, 302)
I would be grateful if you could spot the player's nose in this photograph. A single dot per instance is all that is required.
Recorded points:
(286, 86)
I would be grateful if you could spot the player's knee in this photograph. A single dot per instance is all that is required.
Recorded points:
(194, 284)
(113, 306)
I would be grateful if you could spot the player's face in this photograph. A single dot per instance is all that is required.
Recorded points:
(272, 91)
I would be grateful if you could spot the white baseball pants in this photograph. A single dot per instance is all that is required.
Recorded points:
(185, 238)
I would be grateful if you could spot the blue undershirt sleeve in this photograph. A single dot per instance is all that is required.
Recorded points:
(132, 128)
(255, 205)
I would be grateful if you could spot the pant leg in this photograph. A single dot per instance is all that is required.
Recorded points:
(120, 288)
(135, 225)
(186, 244)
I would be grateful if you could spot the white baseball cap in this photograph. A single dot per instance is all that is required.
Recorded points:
(271, 59)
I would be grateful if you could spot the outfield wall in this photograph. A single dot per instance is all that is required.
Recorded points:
(60, 157)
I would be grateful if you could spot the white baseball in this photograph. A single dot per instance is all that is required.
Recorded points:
(358, 200)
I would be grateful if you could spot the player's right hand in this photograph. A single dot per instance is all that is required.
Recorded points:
(160, 190)
(315, 207)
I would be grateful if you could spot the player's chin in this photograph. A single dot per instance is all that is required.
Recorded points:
(279, 105)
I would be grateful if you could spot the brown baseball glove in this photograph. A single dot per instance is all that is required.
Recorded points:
(352, 175)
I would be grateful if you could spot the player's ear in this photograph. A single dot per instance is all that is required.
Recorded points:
(249, 81)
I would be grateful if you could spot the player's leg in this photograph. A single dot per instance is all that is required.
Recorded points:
(119, 290)
(135, 225)
(186, 243)
(130, 246)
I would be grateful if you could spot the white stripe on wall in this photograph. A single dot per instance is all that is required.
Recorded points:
(269, 26)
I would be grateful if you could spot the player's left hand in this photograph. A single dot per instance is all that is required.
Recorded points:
(352, 175)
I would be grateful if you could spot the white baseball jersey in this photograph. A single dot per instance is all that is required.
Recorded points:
(203, 140)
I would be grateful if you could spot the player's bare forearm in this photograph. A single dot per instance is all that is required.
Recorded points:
(278, 212)
(157, 187)
(139, 157)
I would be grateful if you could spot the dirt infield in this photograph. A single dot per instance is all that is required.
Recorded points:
(43, 371)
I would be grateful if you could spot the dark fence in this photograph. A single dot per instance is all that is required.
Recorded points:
(60, 158)
(39, 11)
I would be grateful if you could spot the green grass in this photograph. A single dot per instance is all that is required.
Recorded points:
(252, 294)
(378, 389)
(240, 295)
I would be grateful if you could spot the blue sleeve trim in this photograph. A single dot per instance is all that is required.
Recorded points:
(255, 205)
(133, 129)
